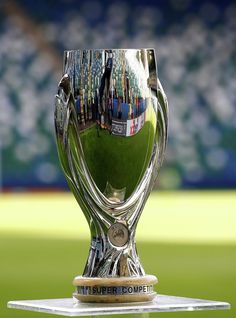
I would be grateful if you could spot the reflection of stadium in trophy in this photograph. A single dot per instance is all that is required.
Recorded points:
(113, 98)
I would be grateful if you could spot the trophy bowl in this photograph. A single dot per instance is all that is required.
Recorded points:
(111, 117)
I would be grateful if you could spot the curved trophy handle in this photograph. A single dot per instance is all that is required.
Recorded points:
(69, 146)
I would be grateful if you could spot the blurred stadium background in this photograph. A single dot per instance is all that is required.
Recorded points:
(196, 55)
(190, 244)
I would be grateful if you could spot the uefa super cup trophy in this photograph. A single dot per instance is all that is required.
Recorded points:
(111, 128)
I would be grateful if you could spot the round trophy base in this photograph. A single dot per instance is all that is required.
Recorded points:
(115, 290)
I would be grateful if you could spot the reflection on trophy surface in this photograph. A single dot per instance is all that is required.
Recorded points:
(111, 128)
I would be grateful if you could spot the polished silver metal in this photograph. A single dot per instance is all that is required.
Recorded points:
(111, 118)
(161, 303)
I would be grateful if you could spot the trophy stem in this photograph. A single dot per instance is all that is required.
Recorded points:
(112, 251)
(113, 272)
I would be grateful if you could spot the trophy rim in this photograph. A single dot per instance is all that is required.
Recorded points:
(106, 49)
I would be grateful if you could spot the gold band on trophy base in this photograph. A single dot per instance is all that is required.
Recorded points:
(115, 289)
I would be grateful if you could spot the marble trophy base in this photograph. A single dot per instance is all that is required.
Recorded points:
(72, 307)
(115, 290)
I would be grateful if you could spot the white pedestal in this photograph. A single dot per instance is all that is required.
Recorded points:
(161, 303)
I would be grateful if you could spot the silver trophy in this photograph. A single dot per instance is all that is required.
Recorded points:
(111, 117)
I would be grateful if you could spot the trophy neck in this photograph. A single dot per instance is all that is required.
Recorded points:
(108, 260)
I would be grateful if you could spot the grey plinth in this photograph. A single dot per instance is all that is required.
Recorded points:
(161, 303)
